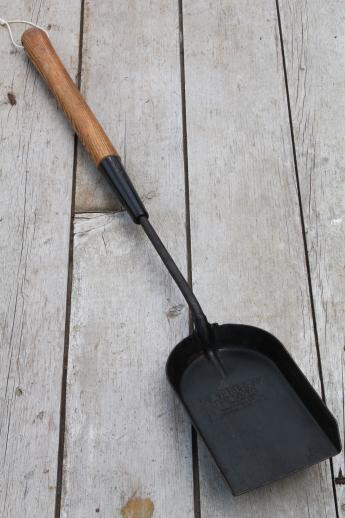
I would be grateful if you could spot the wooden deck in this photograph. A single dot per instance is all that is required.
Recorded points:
(229, 117)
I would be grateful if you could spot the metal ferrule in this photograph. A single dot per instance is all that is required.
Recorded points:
(112, 168)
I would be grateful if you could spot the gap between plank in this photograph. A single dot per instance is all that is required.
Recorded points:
(305, 245)
(104, 211)
(194, 437)
(59, 477)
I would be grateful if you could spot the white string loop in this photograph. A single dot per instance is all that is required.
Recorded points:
(6, 23)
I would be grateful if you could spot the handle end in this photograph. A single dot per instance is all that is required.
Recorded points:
(33, 36)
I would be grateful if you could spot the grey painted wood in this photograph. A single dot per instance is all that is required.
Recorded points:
(127, 437)
(36, 150)
(314, 47)
(247, 249)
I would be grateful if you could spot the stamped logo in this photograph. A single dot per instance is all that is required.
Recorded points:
(233, 397)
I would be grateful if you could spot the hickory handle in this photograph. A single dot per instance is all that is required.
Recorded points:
(42, 54)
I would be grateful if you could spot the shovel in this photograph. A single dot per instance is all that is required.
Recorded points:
(255, 410)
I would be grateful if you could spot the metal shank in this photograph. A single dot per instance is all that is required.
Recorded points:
(201, 324)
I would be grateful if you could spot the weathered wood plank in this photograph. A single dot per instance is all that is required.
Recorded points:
(127, 437)
(126, 434)
(247, 249)
(136, 63)
(36, 152)
(314, 48)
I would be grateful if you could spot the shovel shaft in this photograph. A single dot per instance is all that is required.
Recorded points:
(104, 155)
(90, 132)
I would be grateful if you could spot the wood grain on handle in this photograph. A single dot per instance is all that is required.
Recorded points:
(84, 122)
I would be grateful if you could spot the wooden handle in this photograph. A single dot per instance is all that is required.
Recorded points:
(85, 124)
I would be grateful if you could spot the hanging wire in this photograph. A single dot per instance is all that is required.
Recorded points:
(6, 23)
